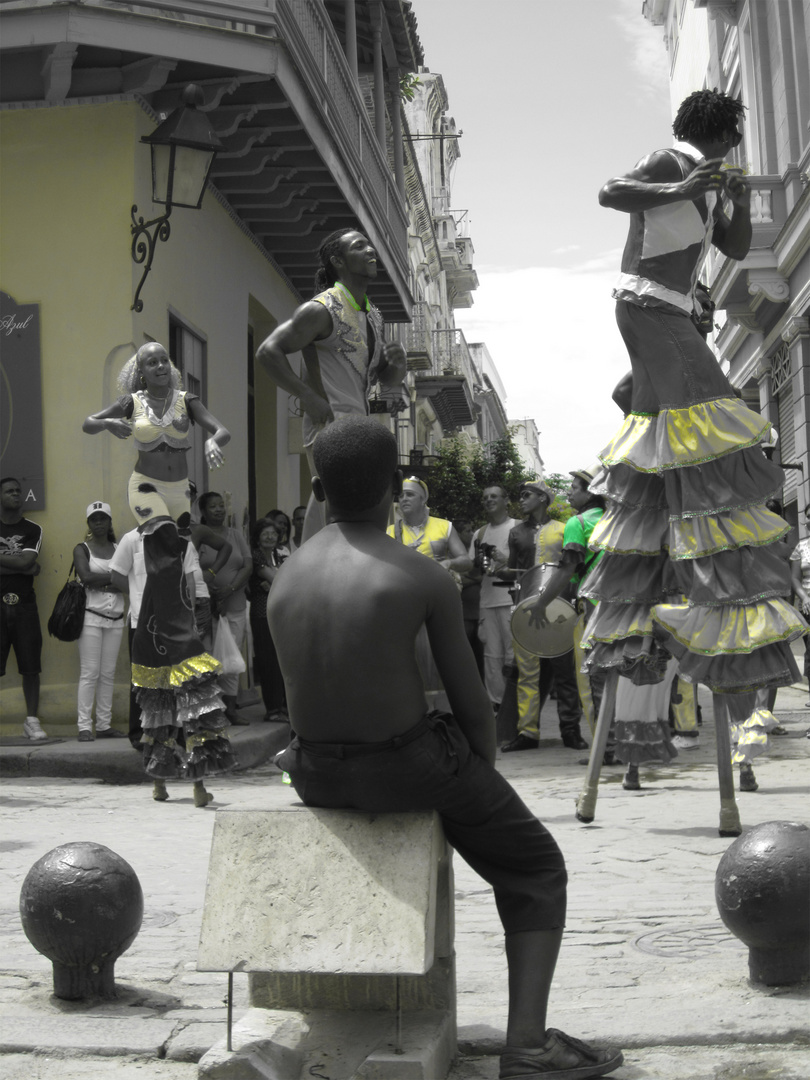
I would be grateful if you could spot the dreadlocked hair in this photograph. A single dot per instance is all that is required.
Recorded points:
(326, 274)
(706, 114)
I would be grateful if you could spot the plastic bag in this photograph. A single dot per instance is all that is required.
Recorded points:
(225, 649)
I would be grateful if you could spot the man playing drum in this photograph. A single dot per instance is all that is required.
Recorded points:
(576, 561)
(535, 549)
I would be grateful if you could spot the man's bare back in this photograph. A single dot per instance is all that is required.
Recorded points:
(344, 613)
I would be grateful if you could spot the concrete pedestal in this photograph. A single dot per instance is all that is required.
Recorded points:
(344, 921)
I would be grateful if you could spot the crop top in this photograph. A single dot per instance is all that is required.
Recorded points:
(153, 432)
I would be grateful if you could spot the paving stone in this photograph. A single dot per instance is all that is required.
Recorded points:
(102, 1036)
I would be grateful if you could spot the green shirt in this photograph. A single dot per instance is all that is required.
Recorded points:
(577, 533)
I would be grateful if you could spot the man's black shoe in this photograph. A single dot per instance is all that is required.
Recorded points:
(574, 741)
(608, 759)
(522, 742)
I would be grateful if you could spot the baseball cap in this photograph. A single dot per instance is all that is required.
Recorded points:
(98, 508)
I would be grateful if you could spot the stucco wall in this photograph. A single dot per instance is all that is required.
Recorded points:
(69, 177)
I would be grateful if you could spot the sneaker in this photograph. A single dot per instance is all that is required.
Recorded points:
(32, 729)
(686, 742)
(561, 1057)
(109, 733)
(85, 736)
(522, 742)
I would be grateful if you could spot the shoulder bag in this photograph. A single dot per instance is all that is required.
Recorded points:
(67, 618)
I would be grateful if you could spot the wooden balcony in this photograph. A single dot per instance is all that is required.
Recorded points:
(301, 156)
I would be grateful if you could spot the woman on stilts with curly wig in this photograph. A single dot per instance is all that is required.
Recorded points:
(182, 713)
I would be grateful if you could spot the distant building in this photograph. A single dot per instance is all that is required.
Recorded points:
(454, 386)
(759, 50)
(526, 438)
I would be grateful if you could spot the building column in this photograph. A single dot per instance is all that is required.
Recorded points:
(396, 125)
(351, 36)
(767, 406)
(379, 79)
(796, 335)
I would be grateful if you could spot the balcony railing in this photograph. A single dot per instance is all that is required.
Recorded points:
(451, 356)
(416, 337)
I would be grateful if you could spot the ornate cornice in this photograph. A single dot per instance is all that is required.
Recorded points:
(797, 326)
(725, 10)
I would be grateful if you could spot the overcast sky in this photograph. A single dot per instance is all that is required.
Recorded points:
(553, 97)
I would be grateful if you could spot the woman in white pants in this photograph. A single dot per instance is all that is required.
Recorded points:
(103, 625)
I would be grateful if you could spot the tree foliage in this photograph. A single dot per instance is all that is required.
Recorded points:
(559, 484)
(464, 469)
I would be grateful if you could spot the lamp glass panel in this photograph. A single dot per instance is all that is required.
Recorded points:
(161, 170)
(190, 173)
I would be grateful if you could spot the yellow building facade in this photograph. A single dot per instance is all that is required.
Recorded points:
(69, 178)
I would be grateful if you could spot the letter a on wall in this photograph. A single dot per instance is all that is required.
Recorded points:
(21, 450)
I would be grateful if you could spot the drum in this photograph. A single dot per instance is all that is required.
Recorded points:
(556, 636)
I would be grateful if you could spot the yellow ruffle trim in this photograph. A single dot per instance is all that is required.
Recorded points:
(733, 629)
(681, 437)
(750, 739)
(627, 530)
(175, 676)
(639, 531)
(615, 622)
(697, 537)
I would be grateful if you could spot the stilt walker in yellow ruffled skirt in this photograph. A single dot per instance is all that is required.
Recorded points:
(685, 474)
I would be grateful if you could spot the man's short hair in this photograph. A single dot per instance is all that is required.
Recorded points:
(706, 114)
(500, 488)
(355, 458)
(10, 480)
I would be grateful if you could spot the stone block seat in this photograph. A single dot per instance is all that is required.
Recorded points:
(344, 922)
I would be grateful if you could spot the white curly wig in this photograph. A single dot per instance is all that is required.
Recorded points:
(129, 379)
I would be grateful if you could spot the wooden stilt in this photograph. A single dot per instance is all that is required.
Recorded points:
(586, 803)
(729, 813)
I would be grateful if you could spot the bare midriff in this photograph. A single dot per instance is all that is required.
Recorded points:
(163, 463)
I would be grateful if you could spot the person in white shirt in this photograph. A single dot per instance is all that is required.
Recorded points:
(490, 553)
(128, 575)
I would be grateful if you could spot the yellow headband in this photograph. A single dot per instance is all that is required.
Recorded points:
(421, 483)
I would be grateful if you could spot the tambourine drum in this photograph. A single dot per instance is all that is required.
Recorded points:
(556, 637)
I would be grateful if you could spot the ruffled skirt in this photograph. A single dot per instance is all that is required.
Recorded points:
(686, 520)
(641, 726)
(182, 712)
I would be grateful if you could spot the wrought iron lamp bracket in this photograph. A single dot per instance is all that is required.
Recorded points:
(144, 243)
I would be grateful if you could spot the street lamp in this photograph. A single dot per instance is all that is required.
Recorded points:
(183, 149)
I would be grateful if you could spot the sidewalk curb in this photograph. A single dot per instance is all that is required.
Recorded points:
(115, 760)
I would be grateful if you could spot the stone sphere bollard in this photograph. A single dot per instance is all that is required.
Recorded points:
(81, 905)
(762, 888)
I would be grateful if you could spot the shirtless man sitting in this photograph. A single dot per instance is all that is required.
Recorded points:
(345, 613)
